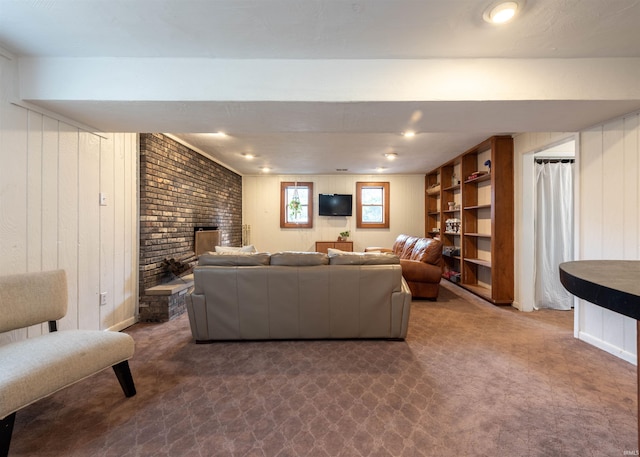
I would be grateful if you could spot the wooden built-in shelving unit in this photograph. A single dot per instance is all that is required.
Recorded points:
(484, 205)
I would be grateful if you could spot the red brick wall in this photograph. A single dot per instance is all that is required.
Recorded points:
(179, 190)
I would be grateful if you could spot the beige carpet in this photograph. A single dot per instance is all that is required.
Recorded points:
(470, 380)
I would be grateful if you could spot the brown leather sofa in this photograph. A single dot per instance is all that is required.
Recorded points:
(422, 264)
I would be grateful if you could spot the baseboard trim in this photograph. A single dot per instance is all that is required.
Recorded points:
(607, 347)
(122, 325)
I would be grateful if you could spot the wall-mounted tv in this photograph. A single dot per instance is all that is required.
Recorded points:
(334, 205)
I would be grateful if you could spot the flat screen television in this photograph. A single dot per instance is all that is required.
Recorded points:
(334, 205)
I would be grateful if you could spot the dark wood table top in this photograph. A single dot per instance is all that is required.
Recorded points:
(612, 284)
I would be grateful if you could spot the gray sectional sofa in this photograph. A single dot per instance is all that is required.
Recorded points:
(298, 295)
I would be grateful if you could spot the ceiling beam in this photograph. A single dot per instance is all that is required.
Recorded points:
(188, 79)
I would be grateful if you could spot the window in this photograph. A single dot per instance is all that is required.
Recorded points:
(372, 204)
(296, 205)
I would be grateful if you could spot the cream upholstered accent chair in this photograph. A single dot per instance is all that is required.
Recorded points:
(34, 368)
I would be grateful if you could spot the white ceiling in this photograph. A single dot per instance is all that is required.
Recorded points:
(343, 118)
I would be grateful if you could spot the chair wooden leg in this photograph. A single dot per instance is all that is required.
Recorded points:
(6, 429)
(123, 373)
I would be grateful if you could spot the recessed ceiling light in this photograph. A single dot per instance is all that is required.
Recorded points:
(380, 169)
(219, 134)
(501, 12)
(391, 155)
(265, 169)
(248, 156)
(409, 134)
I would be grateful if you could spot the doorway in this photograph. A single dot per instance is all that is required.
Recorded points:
(553, 223)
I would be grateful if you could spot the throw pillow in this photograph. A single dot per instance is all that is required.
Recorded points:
(224, 249)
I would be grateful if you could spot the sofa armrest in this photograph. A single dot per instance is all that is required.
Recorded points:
(416, 271)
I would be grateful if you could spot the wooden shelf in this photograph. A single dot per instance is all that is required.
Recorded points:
(485, 177)
(485, 293)
(484, 234)
(479, 235)
(482, 291)
(484, 263)
(432, 203)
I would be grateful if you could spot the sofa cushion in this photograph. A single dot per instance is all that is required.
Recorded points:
(427, 250)
(230, 260)
(299, 259)
(338, 257)
(398, 245)
(407, 249)
(226, 249)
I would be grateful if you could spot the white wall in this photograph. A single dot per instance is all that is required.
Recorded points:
(606, 217)
(609, 169)
(261, 210)
(51, 175)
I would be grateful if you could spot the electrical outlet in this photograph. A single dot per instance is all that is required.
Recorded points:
(103, 298)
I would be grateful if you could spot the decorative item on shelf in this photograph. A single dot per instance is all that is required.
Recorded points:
(487, 164)
(435, 230)
(452, 225)
(453, 206)
(452, 275)
(454, 180)
(344, 236)
(476, 174)
(450, 251)
(434, 189)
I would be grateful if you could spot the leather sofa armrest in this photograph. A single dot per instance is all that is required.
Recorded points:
(414, 270)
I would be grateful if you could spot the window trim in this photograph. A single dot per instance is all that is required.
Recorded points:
(283, 211)
(360, 185)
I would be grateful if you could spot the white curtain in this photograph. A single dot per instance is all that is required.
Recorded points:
(554, 232)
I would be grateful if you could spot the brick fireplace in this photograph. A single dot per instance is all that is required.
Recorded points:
(179, 189)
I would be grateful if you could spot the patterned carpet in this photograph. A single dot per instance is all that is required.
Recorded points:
(470, 380)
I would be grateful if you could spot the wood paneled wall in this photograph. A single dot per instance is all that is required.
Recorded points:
(609, 221)
(51, 175)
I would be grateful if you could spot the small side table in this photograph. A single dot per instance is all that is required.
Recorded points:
(612, 284)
